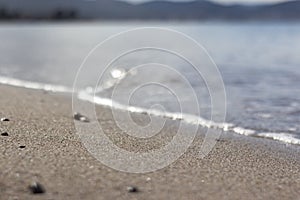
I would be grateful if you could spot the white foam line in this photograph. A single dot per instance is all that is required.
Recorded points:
(243, 131)
(187, 118)
(283, 137)
(190, 119)
(34, 85)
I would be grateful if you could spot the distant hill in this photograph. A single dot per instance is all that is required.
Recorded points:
(155, 10)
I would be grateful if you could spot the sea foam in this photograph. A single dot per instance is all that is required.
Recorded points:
(87, 95)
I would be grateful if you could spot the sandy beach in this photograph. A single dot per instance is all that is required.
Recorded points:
(239, 167)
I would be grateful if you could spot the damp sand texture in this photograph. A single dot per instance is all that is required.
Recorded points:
(56, 164)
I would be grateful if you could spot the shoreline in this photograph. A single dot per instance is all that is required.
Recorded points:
(54, 156)
(284, 137)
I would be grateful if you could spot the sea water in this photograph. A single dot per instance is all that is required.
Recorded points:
(259, 64)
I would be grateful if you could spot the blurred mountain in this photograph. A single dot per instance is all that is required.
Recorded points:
(154, 10)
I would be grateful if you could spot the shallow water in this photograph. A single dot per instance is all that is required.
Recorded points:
(259, 64)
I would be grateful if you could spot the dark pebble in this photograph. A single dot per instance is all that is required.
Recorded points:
(4, 119)
(132, 189)
(36, 188)
(80, 117)
(4, 134)
(22, 146)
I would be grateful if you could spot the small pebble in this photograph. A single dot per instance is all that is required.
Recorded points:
(4, 119)
(36, 188)
(132, 189)
(80, 117)
(4, 134)
(22, 146)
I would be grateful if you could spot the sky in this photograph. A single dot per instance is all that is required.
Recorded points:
(227, 1)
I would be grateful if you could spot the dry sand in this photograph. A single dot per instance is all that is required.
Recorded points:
(239, 167)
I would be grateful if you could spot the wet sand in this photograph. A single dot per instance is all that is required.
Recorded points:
(239, 167)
